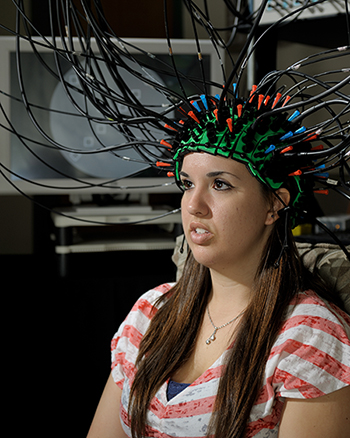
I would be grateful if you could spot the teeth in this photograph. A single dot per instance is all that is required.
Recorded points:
(200, 231)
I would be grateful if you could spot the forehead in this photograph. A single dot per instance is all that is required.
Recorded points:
(201, 162)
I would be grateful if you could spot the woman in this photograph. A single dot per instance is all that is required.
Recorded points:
(246, 343)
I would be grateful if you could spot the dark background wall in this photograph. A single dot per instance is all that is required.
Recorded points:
(58, 329)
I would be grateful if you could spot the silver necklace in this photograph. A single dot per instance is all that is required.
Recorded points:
(213, 336)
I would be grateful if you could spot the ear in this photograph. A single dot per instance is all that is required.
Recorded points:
(281, 200)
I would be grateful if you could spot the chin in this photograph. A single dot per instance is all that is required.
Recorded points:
(201, 256)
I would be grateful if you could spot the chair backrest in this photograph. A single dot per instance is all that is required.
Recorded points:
(327, 259)
(330, 262)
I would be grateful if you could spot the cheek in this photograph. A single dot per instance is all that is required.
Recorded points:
(185, 218)
(230, 223)
(244, 221)
(184, 214)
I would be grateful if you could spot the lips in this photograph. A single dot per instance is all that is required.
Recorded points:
(199, 233)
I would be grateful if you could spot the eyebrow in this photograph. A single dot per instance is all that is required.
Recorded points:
(221, 172)
(213, 174)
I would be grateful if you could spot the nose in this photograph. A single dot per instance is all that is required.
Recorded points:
(196, 202)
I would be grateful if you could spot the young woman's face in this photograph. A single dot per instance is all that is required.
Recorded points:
(226, 217)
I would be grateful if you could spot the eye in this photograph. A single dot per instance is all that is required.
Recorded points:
(221, 185)
(186, 184)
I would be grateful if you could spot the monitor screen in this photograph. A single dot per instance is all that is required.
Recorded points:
(52, 146)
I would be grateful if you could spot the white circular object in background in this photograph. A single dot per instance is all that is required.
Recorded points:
(76, 132)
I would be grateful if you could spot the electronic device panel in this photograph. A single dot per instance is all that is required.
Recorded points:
(35, 166)
(303, 9)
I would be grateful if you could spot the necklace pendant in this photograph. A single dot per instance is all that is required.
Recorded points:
(211, 338)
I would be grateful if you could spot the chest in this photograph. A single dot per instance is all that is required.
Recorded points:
(189, 412)
(204, 354)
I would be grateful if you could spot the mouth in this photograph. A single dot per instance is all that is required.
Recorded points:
(200, 231)
(199, 234)
(198, 228)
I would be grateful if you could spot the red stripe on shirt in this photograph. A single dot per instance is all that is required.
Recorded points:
(292, 382)
(317, 357)
(192, 408)
(316, 322)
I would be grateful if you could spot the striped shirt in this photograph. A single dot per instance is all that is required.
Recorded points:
(310, 358)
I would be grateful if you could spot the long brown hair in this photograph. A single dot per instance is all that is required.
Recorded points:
(173, 330)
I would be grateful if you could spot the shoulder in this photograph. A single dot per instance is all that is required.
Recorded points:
(147, 303)
(143, 310)
(126, 341)
(309, 359)
(309, 310)
(311, 356)
(137, 321)
(314, 324)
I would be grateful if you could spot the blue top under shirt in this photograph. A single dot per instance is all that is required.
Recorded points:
(175, 388)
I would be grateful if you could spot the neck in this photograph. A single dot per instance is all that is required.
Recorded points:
(235, 279)
(229, 297)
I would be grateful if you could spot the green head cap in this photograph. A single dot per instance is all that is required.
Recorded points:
(264, 140)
